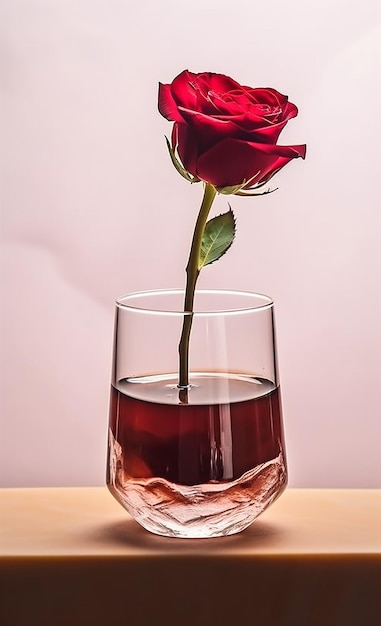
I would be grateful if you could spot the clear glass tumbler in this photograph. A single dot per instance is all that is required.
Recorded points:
(203, 461)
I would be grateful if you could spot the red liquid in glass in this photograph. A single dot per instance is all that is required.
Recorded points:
(191, 444)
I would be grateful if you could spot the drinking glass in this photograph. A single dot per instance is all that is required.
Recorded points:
(205, 460)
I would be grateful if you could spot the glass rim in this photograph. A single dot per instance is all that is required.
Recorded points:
(126, 302)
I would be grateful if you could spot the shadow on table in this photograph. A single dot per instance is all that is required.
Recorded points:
(130, 534)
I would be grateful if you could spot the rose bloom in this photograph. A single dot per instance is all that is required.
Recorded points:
(226, 134)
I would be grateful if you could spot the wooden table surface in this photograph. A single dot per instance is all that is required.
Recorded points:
(73, 556)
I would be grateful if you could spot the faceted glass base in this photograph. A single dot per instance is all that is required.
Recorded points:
(214, 509)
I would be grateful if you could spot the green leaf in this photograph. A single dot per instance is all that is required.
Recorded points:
(217, 238)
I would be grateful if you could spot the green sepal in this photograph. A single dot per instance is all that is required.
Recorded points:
(217, 238)
(231, 190)
(255, 193)
(238, 190)
(179, 166)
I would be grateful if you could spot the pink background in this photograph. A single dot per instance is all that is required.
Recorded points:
(92, 208)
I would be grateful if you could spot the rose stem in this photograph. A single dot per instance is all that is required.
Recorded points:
(192, 271)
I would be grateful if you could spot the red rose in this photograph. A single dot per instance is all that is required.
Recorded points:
(225, 133)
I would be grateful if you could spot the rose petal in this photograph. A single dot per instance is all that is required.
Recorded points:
(183, 91)
(231, 162)
(267, 95)
(212, 129)
(220, 83)
(167, 106)
(187, 146)
(193, 91)
(259, 132)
